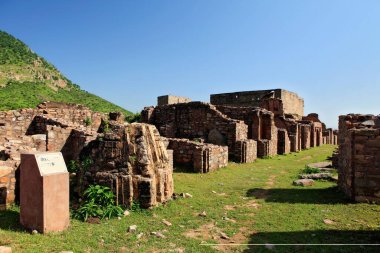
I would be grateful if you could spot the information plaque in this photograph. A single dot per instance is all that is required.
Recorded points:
(51, 163)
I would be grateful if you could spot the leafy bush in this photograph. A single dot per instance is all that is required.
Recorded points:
(136, 117)
(310, 170)
(86, 163)
(87, 121)
(73, 166)
(99, 202)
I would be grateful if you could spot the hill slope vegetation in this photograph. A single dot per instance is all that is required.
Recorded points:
(26, 79)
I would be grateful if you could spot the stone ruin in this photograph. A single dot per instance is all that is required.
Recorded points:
(248, 124)
(129, 158)
(358, 157)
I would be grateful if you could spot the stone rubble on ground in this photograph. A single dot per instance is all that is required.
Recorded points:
(317, 176)
(5, 249)
(132, 229)
(167, 223)
(304, 182)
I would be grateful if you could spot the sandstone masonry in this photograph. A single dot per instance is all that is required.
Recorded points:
(79, 133)
(358, 157)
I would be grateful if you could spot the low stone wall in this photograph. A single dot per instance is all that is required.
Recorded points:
(199, 157)
(246, 151)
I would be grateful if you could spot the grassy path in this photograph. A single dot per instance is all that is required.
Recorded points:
(245, 203)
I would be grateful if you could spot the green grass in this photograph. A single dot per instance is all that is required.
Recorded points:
(286, 214)
(26, 79)
(28, 95)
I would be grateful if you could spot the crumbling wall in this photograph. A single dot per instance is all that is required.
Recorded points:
(246, 151)
(292, 103)
(133, 161)
(261, 126)
(283, 144)
(196, 120)
(305, 136)
(198, 157)
(169, 99)
(359, 157)
(70, 129)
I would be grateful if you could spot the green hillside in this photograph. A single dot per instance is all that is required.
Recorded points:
(27, 79)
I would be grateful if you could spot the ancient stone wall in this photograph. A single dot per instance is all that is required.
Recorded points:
(169, 99)
(198, 157)
(359, 157)
(261, 126)
(305, 136)
(69, 129)
(283, 144)
(133, 161)
(292, 103)
(196, 120)
(246, 151)
(274, 105)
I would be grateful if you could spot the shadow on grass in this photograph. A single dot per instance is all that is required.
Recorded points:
(316, 237)
(330, 195)
(10, 220)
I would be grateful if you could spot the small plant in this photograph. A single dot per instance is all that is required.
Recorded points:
(136, 117)
(73, 166)
(132, 158)
(135, 207)
(310, 170)
(86, 163)
(87, 121)
(106, 126)
(99, 202)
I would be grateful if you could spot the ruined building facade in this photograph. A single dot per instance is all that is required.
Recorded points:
(129, 158)
(250, 124)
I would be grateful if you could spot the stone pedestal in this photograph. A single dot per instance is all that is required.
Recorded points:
(44, 192)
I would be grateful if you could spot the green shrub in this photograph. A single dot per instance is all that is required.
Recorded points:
(136, 117)
(310, 170)
(86, 163)
(99, 202)
(87, 121)
(73, 166)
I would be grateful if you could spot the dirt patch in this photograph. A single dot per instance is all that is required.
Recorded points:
(230, 208)
(305, 158)
(271, 181)
(202, 233)
(212, 232)
(252, 204)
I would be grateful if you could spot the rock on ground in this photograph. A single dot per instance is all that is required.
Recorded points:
(4, 249)
(317, 176)
(304, 182)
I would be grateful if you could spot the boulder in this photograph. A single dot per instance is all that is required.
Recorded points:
(304, 182)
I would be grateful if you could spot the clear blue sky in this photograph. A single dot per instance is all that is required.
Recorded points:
(130, 52)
